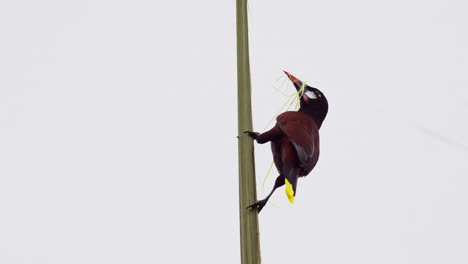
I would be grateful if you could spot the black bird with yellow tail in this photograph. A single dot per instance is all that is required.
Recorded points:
(295, 139)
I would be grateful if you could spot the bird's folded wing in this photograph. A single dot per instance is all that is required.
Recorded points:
(299, 130)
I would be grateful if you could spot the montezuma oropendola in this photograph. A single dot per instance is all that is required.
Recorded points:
(295, 139)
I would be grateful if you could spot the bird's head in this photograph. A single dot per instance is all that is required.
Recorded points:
(313, 101)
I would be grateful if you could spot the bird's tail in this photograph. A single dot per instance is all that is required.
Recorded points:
(290, 174)
(290, 190)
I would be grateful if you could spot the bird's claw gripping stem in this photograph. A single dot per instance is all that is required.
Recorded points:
(253, 135)
(258, 205)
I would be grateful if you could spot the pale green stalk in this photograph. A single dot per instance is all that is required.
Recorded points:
(249, 234)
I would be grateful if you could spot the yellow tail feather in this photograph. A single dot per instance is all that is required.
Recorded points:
(289, 191)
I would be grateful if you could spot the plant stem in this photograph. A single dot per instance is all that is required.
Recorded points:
(249, 235)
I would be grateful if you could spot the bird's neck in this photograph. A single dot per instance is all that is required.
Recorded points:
(318, 115)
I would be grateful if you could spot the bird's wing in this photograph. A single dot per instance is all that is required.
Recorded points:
(300, 130)
(289, 169)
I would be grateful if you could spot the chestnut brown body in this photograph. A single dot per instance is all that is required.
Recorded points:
(295, 141)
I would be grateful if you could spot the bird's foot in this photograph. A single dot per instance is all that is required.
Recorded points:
(258, 205)
(253, 135)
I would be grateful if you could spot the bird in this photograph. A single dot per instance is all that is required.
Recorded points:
(294, 139)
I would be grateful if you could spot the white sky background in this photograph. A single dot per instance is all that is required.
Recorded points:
(118, 122)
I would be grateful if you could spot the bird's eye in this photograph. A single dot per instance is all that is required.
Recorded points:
(311, 95)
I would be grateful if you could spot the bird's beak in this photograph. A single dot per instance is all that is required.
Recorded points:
(297, 83)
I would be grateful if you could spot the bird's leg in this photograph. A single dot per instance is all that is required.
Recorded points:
(270, 135)
(260, 204)
(252, 134)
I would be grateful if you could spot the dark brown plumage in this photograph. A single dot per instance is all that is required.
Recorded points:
(295, 140)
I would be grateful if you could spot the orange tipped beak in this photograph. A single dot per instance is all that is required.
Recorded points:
(291, 77)
(297, 83)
